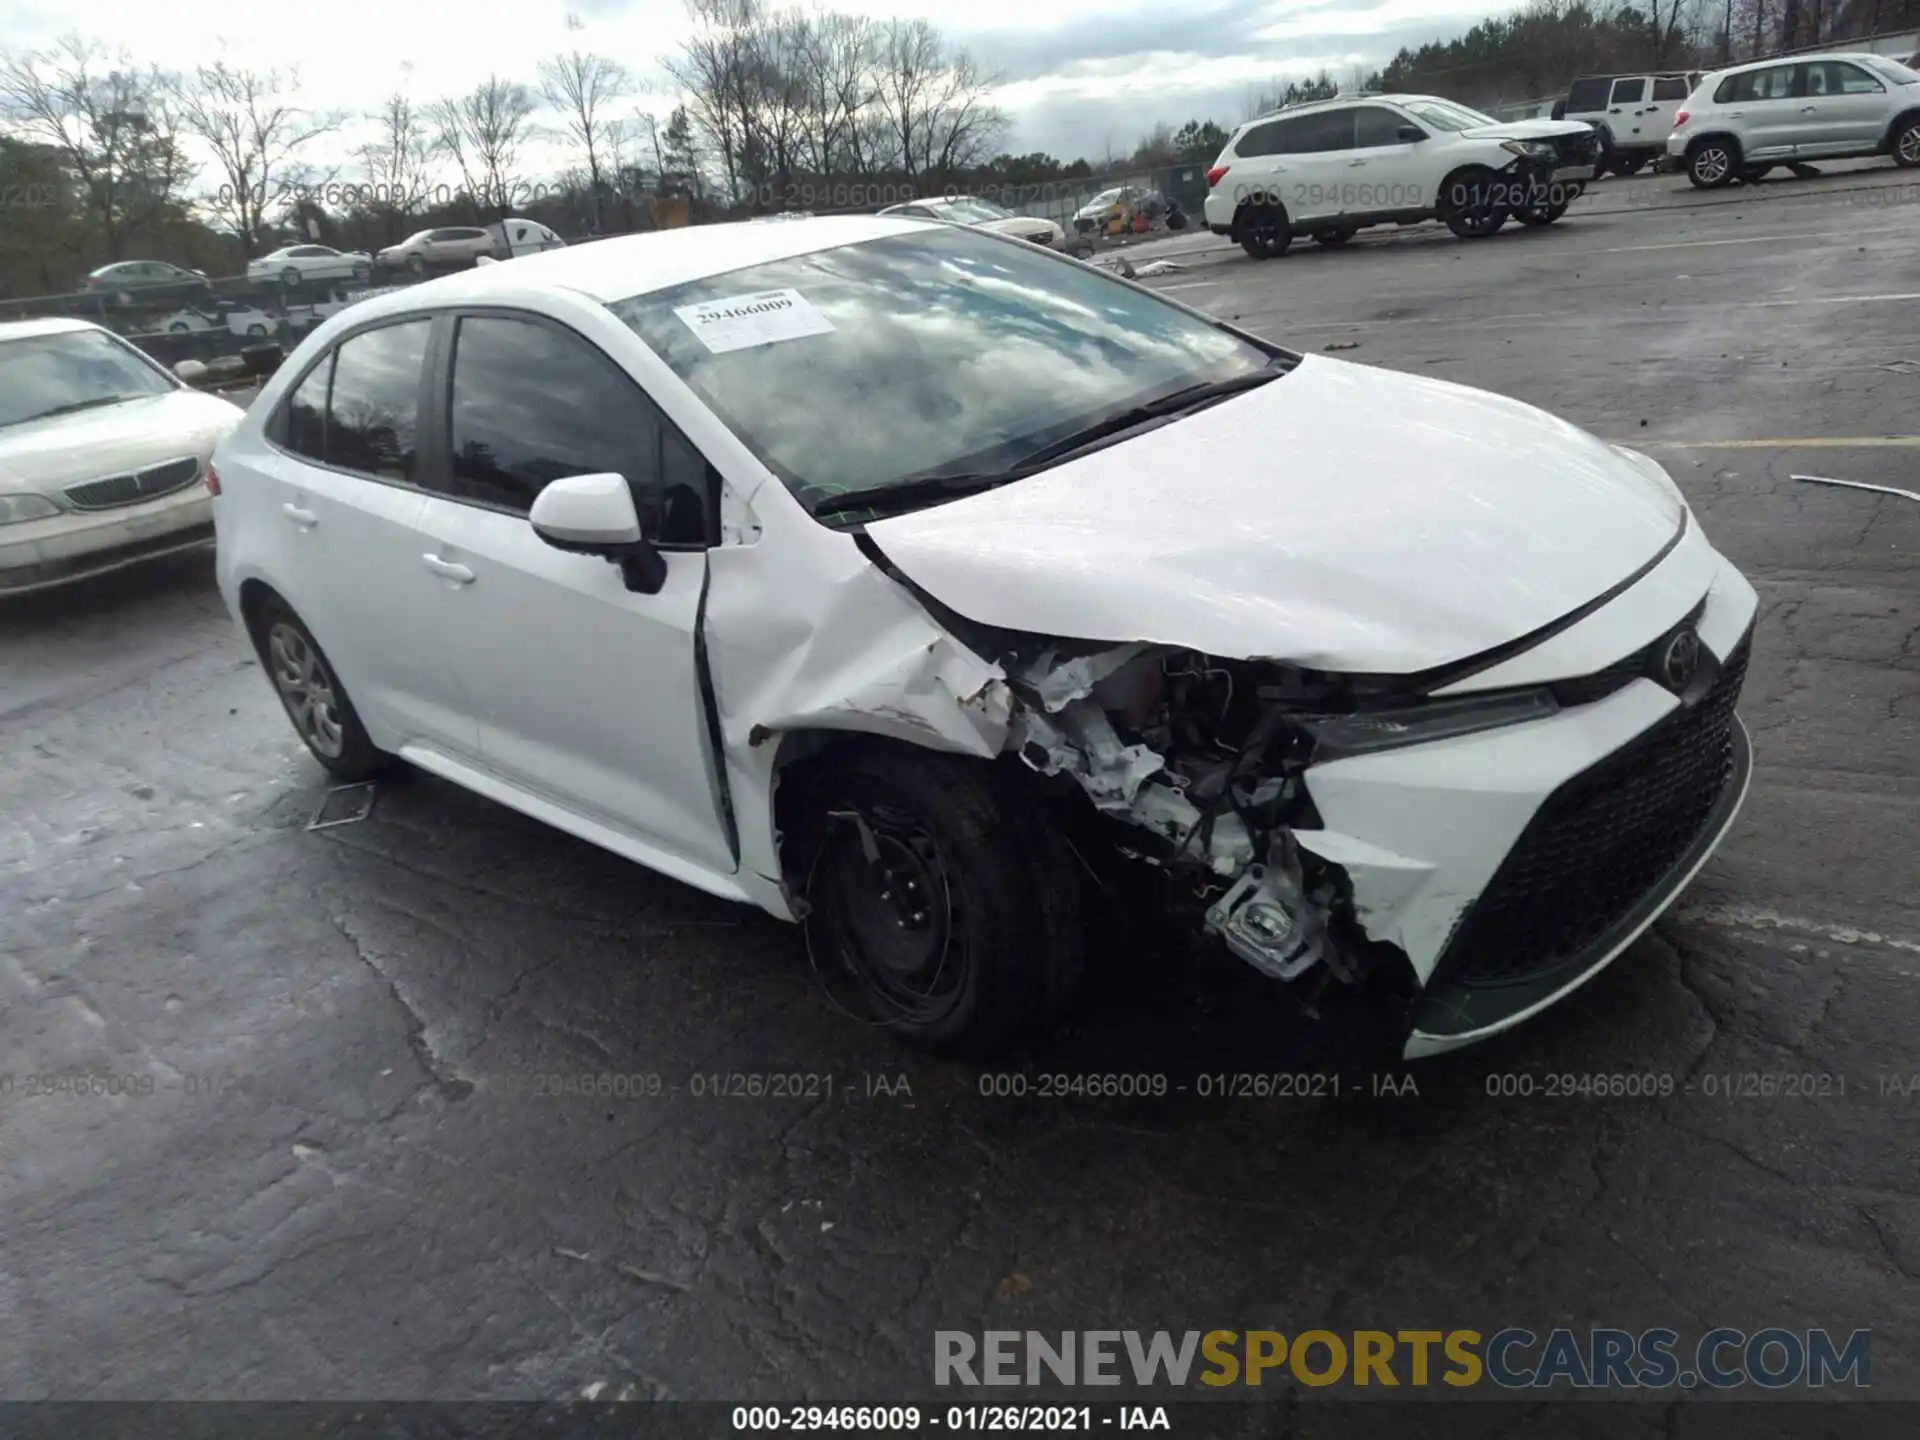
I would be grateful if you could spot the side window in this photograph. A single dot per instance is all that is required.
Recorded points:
(1588, 94)
(1261, 140)
(1375, 125)
(1317, 134)
(1674, 88)
(585, 417)
(1845, 79)
(305, 424)
(1628, 92)
(373, 411)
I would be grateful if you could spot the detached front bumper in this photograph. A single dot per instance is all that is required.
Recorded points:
(1511, 866)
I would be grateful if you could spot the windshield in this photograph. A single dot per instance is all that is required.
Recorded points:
(1105, 197)
(1445, 115)
(939, 350)
(53, 374)
(1891, 70)
(969, 211)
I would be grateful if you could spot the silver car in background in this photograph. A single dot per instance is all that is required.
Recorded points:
(1742, 122)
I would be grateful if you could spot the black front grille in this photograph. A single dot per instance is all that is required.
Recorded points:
(1599, 844)
(147, 484)
(1577, 149)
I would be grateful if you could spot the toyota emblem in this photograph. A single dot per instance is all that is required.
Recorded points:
(1680, 660)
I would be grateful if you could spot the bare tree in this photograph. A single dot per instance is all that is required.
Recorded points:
(395, 162)
(112, 126)
(481, 132)
(835, 54)
(935, 100)
(711, 71)
(583, 88)
(254, 124)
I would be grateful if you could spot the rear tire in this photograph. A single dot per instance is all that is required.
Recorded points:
(962, 931)
(1264, 230)
(315, 700)
(1906, 144)
(1712, 164)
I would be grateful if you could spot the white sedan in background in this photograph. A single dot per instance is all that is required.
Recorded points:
(103, 455)
(298, 264)
(981, 215)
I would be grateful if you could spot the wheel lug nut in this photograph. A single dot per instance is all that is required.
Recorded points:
(919, 917)
(886, 894)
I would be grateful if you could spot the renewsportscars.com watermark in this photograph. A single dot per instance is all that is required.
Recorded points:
(1774, 1358)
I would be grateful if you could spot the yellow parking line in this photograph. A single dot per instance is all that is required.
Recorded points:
(1797, 442)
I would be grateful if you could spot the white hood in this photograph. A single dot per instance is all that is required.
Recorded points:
(1341, 517)
(1528, 130)
(46, 455)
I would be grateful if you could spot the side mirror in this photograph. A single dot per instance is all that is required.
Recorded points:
(594, 515)
(1409, 134)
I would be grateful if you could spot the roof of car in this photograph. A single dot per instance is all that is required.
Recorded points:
(53, 325)
(1802, 60)
(1365, 98)
(618, 267)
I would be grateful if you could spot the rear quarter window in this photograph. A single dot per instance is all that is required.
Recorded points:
(1673, 89)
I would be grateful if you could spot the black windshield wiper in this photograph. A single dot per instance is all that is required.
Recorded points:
(75, 405)
(968, 482)
(1167, 406)
(923, 487)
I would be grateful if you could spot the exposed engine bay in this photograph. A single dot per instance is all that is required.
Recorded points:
(1199, 763)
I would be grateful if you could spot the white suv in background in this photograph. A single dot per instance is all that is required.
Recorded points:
(1334, 167)
(1633, 114)
(1742, 122)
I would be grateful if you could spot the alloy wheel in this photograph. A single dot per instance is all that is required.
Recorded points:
(306, 689)
(1712, 164)
(1909, 148)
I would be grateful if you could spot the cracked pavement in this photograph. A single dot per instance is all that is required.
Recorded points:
(344, 1182)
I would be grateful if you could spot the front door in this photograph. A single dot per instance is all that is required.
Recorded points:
(586, 693)
(1842, 109)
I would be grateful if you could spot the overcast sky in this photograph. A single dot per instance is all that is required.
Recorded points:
(1080, 75)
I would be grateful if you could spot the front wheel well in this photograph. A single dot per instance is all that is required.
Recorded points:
(255, 597)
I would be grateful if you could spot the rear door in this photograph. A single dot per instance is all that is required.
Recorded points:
(1321, 164)
(1664, 99)
(588, 693)
(339, 472)
(1626, 103)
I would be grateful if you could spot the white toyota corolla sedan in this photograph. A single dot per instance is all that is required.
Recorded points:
(102, 455)
(890, 577)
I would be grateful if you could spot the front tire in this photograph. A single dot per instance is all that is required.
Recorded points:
(1712, 164)
(1469, 205)
(315, 701)
(941, 896)
(1906, 144)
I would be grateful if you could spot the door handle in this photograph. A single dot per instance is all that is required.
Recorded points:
(447, 570)
(1809, 109)
(1352, 163)
(305, 519)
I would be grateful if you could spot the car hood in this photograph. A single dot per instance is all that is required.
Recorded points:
(1341, 518)
(1017, 225)
(46, 455)
(1528, 130)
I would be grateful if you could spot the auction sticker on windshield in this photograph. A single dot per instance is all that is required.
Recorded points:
(740, 321)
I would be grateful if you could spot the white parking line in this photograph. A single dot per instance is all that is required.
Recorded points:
(1190, 285)
(1741, 240)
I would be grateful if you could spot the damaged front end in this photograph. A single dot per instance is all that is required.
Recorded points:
(1197, 766)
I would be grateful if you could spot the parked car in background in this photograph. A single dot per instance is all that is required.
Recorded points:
(672, 599)
(1743, 121)
(449, 246)
(304, 264)
(981, 215)
(515, 236)
(103, 455)
(1332, 168)
(130, 282)
(1633, 114)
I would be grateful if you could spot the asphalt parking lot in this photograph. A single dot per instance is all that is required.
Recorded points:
(344, 1183)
